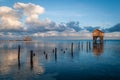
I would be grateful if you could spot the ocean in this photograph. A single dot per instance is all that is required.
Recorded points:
(60, 60)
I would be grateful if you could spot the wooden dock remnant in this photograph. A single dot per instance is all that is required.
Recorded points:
(55, 54)
(18, 52)
(72, 49)
(18, 56)
(31, 58)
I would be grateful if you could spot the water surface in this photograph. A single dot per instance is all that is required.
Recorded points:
(73, 60)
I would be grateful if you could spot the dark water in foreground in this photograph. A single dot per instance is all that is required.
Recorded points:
(86, 61)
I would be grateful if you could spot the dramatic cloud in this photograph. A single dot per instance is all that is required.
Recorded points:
(90, 28)
(74, 25)
(115, 28)
(9, 18)
(24, 20)
(32, 12)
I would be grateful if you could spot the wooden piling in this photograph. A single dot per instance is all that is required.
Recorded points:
(72, 49)
(82, 45)
(19, 64)
(55, 54)
(46, 56)
(18, 56)
(66, 48)
(53, 51)
(44, 52)
(86, 44)
(18, 52)
(89, 45)
(31, 59)
(79, 45)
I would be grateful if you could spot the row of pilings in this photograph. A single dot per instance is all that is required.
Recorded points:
(31, 57)
(82, 46)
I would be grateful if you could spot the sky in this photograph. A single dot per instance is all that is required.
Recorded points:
(43, 18)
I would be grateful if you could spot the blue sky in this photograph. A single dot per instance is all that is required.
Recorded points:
(58, 17)
(103, 13)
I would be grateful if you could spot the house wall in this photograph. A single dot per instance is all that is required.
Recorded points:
(98, 33)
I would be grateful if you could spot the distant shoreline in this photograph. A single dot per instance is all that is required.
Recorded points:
(12, 40)
(55, 40)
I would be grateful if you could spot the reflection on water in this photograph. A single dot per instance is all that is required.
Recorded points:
(6, 60)
(58, 60)
(98, 48)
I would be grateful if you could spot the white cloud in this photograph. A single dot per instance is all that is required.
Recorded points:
(30, 10)
(26, 18)
(10, 18)
(112, 35)
(70, 35)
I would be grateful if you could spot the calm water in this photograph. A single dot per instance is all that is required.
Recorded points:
(82, 61)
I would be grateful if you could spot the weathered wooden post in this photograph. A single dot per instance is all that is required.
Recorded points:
(31, 58)
(46, 56)
(72, 49)
(53, 51)
(44, 52)
(18, 56)
(89, 45)
(82, 45)
(101, 40)
(66, 48)
(55, 54)
(86, 45)
(18, 52)
(79, 45)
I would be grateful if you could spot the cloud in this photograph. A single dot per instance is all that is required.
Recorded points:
(32, 12)
(74, 25)
(112, 35)
(115, 28)
(12, 18)
(91, 29)
(64, 35)
(24, 19)
(9, 18)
